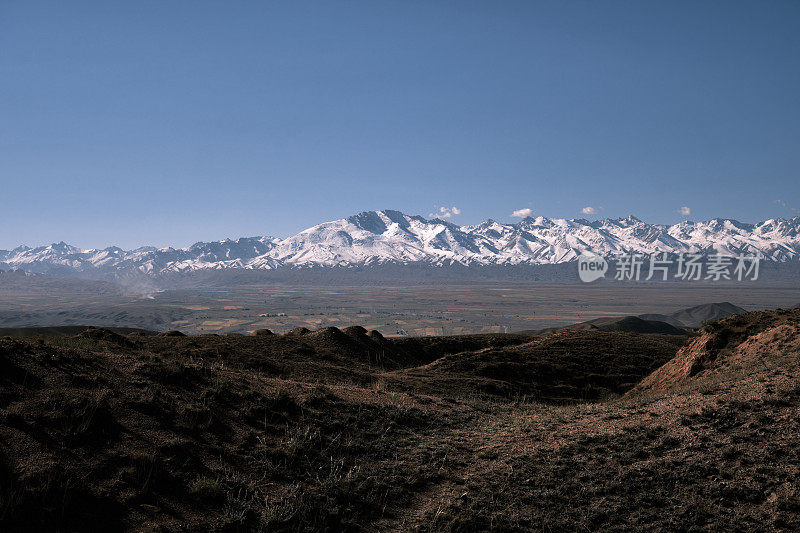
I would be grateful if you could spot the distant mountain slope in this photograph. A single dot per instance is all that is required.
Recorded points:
(671, 324)
(668, 319)
(633, 324)
(698, 315)
(628, 324)
(391, 237)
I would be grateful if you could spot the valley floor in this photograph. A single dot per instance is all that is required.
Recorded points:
(401, 309)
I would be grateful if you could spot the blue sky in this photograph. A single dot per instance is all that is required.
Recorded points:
(165, 123)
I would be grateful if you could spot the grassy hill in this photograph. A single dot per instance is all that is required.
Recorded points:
(345, 430)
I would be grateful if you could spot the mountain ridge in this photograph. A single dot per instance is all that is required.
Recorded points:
(391, 237)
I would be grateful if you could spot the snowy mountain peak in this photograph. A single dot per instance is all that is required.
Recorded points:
(389, 236)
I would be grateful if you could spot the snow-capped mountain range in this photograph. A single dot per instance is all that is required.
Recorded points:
(381, 237)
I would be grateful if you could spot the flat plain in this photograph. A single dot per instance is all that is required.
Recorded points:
(394, 310)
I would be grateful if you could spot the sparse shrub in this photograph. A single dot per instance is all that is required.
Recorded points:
(196, 416)
(143, 468)
(83, 418)
(207, 489)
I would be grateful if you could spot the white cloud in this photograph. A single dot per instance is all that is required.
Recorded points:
(445, 212)
(522, 213)
(783, 204)
(685, 211)
(589, 210)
